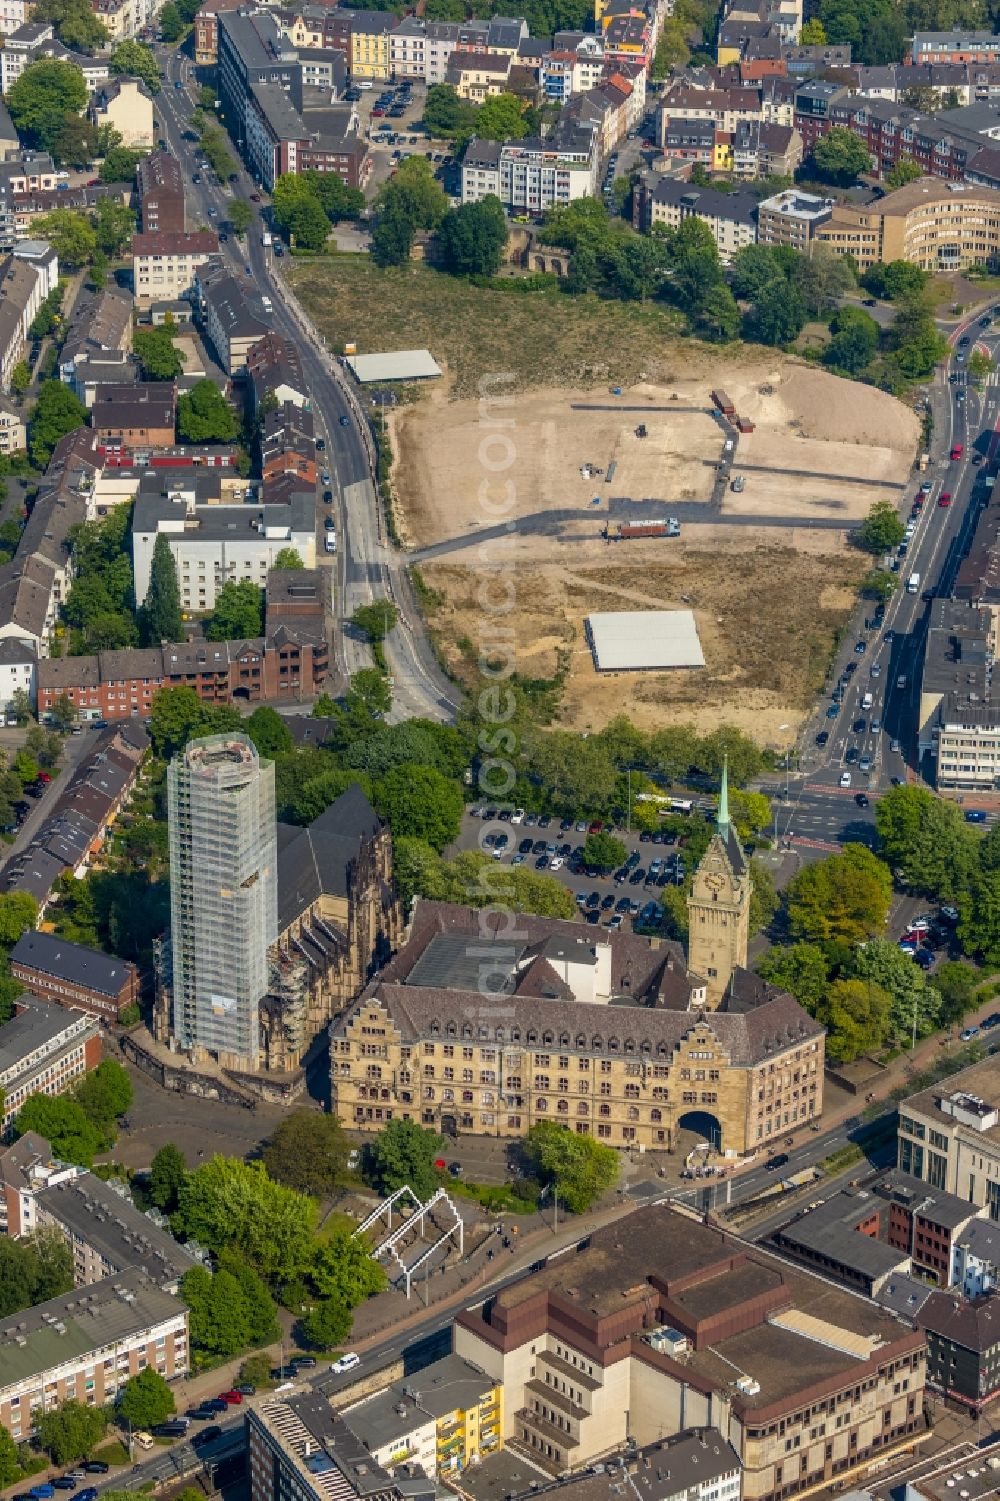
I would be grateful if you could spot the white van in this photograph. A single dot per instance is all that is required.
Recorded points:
(845, 779)
(345, 1363)
(364, 83)
(867, 701)
(266, 303)
(144, 1440)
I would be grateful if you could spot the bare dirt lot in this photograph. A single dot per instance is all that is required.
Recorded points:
(767, 597)
(822, 449)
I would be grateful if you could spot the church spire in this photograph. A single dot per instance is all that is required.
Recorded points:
(722, 818)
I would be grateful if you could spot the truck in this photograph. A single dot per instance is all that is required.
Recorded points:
(265, 238)
(913, 584)
(923, 461)
(667, 526)
(738, 484)
(723, 403)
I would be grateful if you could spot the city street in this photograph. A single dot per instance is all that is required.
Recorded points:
(365, 566)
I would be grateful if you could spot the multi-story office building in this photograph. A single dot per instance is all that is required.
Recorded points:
(958, 723)
(85, 1345)
(451, 1414)
(949, 1136)
(74, 975)
(223, 895)
(792, 218)
(696, 1465)
(963, 1348)
(659, 1323)
(939, 226)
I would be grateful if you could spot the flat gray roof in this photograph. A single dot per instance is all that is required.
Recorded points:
(400, 364)
(639, 640)
(447, 1385)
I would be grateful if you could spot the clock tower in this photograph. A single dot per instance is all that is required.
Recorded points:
(719, 906)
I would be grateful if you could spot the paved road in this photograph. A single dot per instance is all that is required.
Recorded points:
(365, 565)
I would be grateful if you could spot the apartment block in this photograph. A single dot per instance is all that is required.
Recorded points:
(74, 975)
(954, 47)
(125, 105)
(792, 218)
(448, 1416)
(697, 1464)
(532, 174)
(134, 418)
(165, 263)
(958, 723)
(44, 1049)
(659, 1323)
(85, 1345)
(731, 217)
(963, 1348)
(231, 327)
(160, 190)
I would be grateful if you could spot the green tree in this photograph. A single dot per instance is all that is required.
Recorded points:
(76, 25)
(895, 279)
(20, 378)
(18, 913)
(344, 1268)
(694, 262)
(603, 851)
(376, 620)
(64, 1123)
(915, 340)
(413, 199)
(120, 163)
(842, 899)
(157, 354)
(56, 412)
(298, 211)
(145, 1400)
(71, 235)
(402, 1153)
(269, 732)
(167, 1175)
(160, 613)
(34, 1269)
(288, 558)
(327, 1325)
(764, 901)
(882, 963)
(205, 416)
(261, 1312)
(475, 880)
(336, 199)
(840, 157)
(105, 1093)
(420, 803)
(980, 365)
(501, 118)
(218, 1316)
(114, 226)
(955, 982)
(879, 584)
(10, 1464)
(881, 531)
(227, 1203)
(179, 715)
(238, 614)
(172, 24)
(132, 58)
(902, 173)
(473, 238)
(578, 1168)
(729, 746)
(392, 238)
(240, 216)
(926, 841)
(979, 924)
(308, 1151)
(445, 114)
(753, 268)
(813, 33)
(854, 342)
(856, 1016)
(718, 316)
(777, 315)
(39, 101)
(69, 1432)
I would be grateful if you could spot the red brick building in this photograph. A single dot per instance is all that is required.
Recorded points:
(74, 975)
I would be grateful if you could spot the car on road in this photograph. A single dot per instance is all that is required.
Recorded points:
(97, 1466)
(876, 726)
(975, 815)
(957, 450)
(845, 779)
(869, 302)
(832, 711)
(89, 1493)
(944, 499)
(964, 341)
(852, 755)
(822, 738)
(778, 1160)
(861, 798)
(859, 726)
(989, 1022)
(860, 648)
(344, 419)
(208, 1434)
(876, 670)
(348, 1361)
(254, 197)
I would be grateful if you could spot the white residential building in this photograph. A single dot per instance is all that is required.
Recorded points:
(532, 174)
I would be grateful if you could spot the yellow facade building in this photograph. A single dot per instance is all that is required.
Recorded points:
(478, 1027)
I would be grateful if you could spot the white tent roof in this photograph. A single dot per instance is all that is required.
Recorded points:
(638, 640)
(399, 364)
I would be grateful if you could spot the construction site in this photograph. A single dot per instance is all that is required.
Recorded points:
(735, 500)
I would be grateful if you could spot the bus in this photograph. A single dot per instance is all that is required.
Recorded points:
(681, 804)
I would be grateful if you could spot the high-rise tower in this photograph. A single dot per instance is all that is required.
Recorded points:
(223, 896)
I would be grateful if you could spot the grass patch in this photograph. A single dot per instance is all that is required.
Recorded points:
(493, 1197)
(839, 1162)
(546, 339)
(113, 1454)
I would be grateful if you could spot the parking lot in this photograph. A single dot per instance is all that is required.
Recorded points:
(615, 899)
(391, 122)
